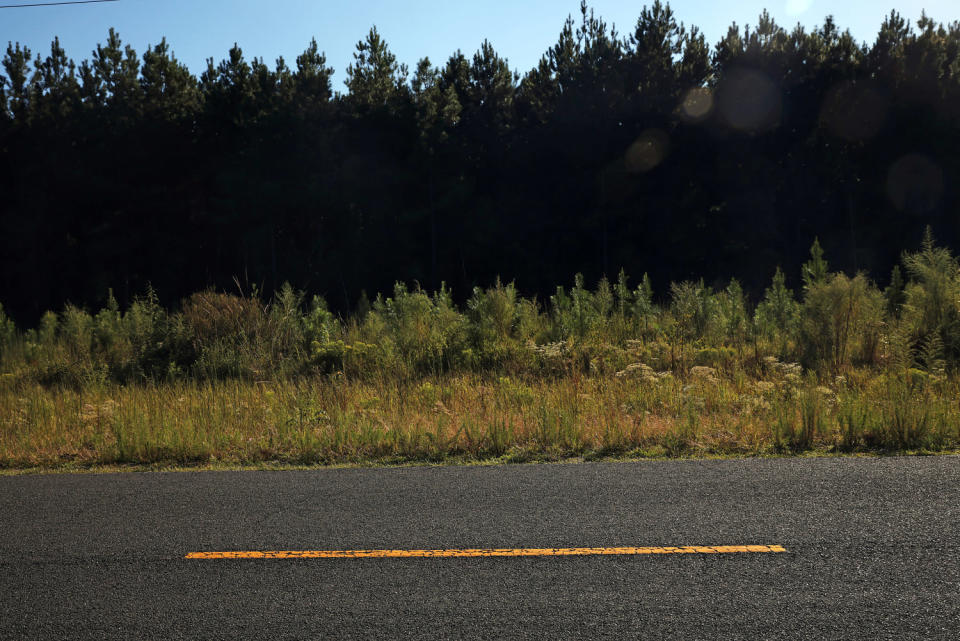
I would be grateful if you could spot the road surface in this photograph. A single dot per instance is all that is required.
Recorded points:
(872, 551)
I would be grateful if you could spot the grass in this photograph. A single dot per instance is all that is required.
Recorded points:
(470, 418)
(413, 378)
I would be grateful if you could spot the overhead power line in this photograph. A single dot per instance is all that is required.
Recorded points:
(52, 4)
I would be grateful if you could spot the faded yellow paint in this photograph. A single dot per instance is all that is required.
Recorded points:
(480, 552)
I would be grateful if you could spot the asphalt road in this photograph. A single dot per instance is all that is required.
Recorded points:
(873, 552)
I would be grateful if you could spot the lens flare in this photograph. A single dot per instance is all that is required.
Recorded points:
(697, 104)
(748, 100)
(648, 151)
(854, 112)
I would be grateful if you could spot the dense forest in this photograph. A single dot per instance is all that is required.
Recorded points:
(648, 150)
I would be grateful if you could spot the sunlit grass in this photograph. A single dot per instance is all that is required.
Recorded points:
(329, 420)
(587, 373)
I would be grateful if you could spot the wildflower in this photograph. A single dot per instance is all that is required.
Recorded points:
(703, 372)
(640, 370)
(791, 368)
(764, 387)
(552, 351)
(752, 404)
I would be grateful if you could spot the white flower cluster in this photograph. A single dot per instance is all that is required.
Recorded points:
(642, 371)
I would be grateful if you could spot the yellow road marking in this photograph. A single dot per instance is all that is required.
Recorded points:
(393, 554)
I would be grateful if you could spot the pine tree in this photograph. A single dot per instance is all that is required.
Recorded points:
(375, 80)
(312, 82)
(170, 91)
(116, 70)
(56, 92)
(491, 89)
(643, 301)
(776, 315)
(229, 90)
(657, 40)
(895, 294)
(814, 271)
(16, 65)
(623, 293)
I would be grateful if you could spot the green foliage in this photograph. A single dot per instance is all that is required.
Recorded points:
(418, 333)
(170, 91)
(47, 332)
(894, 293)
(8, 332)
(900, 352)
(501, 325)
(733, 317)
(418, 378)
(777, 314)
(853, 418)
(841, 322)
(322, 335)
(576, 313)
(932, 304)
(494, 313)
(131, 170)
(312, 86)
(931, 355)
(17, 95)
(643, 308)
(693, 308)
(716, 357)
(375, 79)
(906, 418)
(224, 330)
(814, 271)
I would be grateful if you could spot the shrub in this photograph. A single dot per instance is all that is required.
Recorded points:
(157, 343)
(573, 313)
(225, 331)
(693, 308)
(7, 332)
(841, 320)
(322, 336)
(642, 306)
(428, 333)
(777, 315)
(76, 333)
(733, 319)
(716, 357)
(932, 297)
(47, 331)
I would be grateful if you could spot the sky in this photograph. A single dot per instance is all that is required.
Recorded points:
(520, 30)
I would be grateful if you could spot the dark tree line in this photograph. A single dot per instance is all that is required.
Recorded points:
(648, 150)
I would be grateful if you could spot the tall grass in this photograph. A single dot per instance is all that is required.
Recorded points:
(326, 420)
(588, 372)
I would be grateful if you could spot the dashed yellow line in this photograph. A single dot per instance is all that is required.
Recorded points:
(478, 552)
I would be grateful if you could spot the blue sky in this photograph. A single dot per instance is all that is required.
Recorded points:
(519, 30)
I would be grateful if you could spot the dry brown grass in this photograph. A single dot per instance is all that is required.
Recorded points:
(330, 420)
